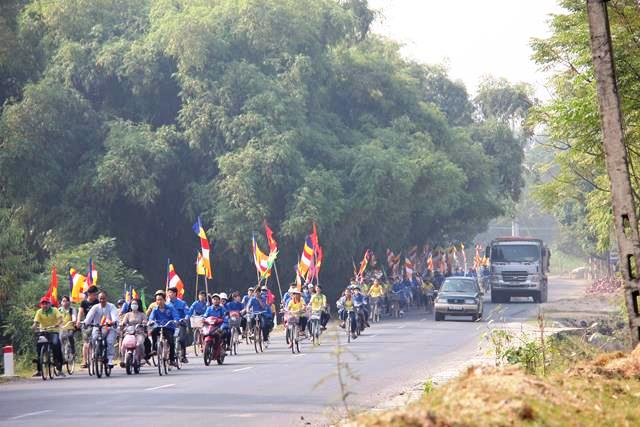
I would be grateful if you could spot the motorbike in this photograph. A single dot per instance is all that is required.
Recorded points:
(131, 348)
(213, 342)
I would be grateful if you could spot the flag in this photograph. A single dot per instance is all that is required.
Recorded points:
(175, 281)
(412, 252)
(143, 299)
(92, 275)
(52, 292)
(262, 261)
(363, 263)
(78, 282)
(273, 245)
(430, 262)
(319, 257)
(408, 267)
(204, 245)
(134, 293)
(306, 258)
(201, 270)
(298, 278)
(127, 295)
(477, 260)
(464, 256)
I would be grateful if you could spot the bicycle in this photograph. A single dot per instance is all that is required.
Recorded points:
(45, 355)
(68, 353)
(293, 327)
(314, 322)
(395, 304)
(347, 326)
(99, 357)
(163, 352)
(180, 349)
(375, 311)
(196, 325)
(234, 326)
(257, 332)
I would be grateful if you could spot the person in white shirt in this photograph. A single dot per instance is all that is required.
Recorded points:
(106, 314)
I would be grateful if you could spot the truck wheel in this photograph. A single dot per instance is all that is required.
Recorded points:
(496, 297)
(439, 317)
(537, 296)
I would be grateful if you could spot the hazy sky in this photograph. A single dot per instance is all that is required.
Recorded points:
(472, 37)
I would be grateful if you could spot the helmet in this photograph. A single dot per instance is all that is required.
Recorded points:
(215, 295)
(295, 291)
(310, 286)
(120, 302)
(265, 289)
(223, 295)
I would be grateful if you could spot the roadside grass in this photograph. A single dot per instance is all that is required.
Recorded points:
(602, 391)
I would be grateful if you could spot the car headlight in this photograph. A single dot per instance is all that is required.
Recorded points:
(534, 277)
(440, 300)
(470, 301)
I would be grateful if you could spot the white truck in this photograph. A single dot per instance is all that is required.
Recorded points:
(518, 268)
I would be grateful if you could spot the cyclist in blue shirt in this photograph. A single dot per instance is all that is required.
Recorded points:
(258, 306)
(162, 314)
(199, 306)
(182, 309)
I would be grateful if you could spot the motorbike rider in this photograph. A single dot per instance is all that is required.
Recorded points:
(162, 314)
(359, 300)
(86, 304)
(135, 316)
(48, 319)
(217, 310)
(104, 314)
(181, 331)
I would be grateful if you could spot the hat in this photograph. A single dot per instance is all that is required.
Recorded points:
(45, 299)
(159, 292)
(215, 295)
(251, 288)
(264, 288)
(295, 291)
(223, 295)
(310, 285)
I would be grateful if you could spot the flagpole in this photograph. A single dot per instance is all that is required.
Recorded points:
(206, 285)
(166, 282)
(275, 268)
(197, 275)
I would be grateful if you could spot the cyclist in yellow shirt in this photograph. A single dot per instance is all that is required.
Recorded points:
(69, 319)
(48, 321)
(296, 309)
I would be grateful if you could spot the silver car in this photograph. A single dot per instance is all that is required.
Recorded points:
(459, 296)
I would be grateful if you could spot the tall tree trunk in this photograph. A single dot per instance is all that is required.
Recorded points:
(624, 214)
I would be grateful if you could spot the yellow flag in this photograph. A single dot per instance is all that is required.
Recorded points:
(200, 267)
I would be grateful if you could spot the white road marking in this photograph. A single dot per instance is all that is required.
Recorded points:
(159, 387)
(423, 319)
(30, 414)
(300, 355)
(243, 369)
(240, 415)
(372, 336)
(402, 326)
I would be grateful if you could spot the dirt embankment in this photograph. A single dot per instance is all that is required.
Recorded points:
(605, 391)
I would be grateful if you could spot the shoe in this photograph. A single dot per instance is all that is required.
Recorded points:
(37, 374)
(342, 325)
(122, 365)
(368, 325)
(184, 360)
(84, 366)
(354, 336)
(323, 328)
(110, 365)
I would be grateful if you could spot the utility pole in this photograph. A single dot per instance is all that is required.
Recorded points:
(615, 153)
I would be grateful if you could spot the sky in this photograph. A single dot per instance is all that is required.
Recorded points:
(473, 38)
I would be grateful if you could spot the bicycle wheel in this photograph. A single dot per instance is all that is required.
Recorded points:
(296, 340)
(105, 360)
(196, 341)
(178, 351)
(44, 361)
(257, 335)
(160, 354)
(234, 341)
(90, 352)
(70, 358)
(97, 359)
(294, 337)
(348, 328)
(166, 357)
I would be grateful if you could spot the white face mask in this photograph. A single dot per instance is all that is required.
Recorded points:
(134, 307)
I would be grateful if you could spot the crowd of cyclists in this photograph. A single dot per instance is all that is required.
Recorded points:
(250, 317)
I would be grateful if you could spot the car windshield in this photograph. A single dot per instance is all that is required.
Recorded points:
(515, 253)
(459, 285)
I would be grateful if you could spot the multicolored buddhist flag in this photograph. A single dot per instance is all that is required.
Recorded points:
(363, 264)
(175, 281)
(261, 260)
(273, 245)
(52, 292)
(306, 259)
(134, 293)
(78, 284)
(408, 267)
(92, 275)
(204, 245)
(201, 270)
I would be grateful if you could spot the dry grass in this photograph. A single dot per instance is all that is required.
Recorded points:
(603, 392)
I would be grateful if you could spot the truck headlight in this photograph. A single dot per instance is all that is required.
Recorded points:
(534, 277)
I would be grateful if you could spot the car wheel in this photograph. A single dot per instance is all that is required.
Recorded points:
(496, 297)
(439, 317)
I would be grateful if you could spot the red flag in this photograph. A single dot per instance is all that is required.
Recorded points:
(363, 264)
(273, 245)
(52, 293)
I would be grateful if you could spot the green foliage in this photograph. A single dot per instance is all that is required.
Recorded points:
(138, 116)
(579, 194)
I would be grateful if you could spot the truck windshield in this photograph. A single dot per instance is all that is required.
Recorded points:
(515, 253)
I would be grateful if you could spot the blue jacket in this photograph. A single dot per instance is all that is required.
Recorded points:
(358, 299)
(306, 297)
(254, 306)
(219, 312)
(161, 317)
(234, 306)
(180, 306)
(397, 287)
(285, 299)
(197, 308)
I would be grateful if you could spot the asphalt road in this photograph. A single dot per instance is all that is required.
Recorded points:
(274, 388)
